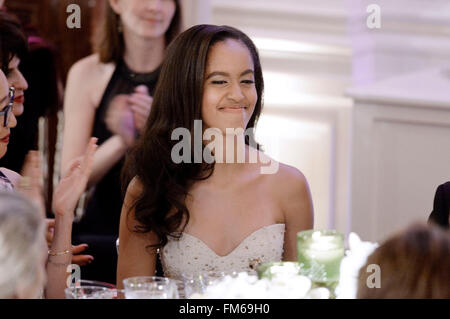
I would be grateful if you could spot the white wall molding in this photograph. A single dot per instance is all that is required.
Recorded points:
(414, 35)
(308, 21)
(401, 129)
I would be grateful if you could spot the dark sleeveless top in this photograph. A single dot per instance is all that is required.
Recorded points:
(102, 214)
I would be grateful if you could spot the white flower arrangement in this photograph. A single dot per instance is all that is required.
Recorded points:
(354, 259)
(286, 283)
(282, 286)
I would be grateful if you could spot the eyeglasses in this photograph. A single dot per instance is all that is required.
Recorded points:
(7, 110)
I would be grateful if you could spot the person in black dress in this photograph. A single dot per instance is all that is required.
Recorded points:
(109, 95)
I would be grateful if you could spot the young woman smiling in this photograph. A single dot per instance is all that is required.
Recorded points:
(208, 217)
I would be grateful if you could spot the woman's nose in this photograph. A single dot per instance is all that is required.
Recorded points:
(236, 93)
(154, 5)
(19, 81)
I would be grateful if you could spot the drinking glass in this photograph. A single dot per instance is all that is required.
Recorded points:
(90, 292)
(95, 283)
(91, 289)
(150, 287)
(197, 283)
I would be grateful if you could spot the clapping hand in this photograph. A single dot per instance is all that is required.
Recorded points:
(73, 183)
(140, 103)
(119, 119)
(127, 114)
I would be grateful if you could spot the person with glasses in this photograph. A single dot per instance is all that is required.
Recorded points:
(7, 121)
(8, 109)
(13, 51)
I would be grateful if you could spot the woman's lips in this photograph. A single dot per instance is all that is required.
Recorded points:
(19, 99)
(232, 109)
(153, 21)
(5, 139)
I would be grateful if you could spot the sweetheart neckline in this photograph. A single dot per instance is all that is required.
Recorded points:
(238, 246)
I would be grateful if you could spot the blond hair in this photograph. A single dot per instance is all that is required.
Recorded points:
(21, 238)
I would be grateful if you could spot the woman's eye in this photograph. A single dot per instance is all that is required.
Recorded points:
(218, 82)
(248, 81)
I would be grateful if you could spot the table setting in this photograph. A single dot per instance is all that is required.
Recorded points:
(325, 270)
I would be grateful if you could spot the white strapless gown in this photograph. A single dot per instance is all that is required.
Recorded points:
(190, 255)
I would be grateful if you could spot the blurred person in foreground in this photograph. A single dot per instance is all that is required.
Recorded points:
(414, 264)
(23, 250)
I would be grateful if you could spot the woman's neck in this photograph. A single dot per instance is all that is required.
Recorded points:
(235, 156)
(143, 55)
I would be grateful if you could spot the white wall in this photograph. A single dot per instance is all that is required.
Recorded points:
(312, 53)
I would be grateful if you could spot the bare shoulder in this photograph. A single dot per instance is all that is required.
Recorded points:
(289, 185)
(89, 65)
(91, 75)
(90, 70)
(135, 187)
(290, 189)
(282, 176)
(13, 177)
(292, 177)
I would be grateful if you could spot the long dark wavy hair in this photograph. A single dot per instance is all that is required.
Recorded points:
(177, 103)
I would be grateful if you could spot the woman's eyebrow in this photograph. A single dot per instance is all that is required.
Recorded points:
(217, 73)
(247, 72)
(227, 74)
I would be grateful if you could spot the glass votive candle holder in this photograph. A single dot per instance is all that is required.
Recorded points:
(320, 253)
(278, 269)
